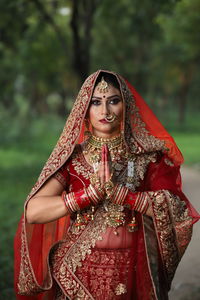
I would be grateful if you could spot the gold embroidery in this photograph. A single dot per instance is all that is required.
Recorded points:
(86, 240)
(107, 272)
(26, 283)
(80, 165)
(168, 162)
(72, 287)
(182, 222)
(120, 289)
(173, 228)
(61, 179)
(137, 136)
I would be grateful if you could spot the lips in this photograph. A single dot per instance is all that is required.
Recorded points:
(104, 121)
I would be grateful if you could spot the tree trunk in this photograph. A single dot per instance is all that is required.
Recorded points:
(186, 79)
(81, 25)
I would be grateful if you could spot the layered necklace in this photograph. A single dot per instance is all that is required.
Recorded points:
(93, 147)
(120, 157)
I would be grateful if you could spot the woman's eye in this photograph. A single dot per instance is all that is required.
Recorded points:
(95, 102)
(114, 101)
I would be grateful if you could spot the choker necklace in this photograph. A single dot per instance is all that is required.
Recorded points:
(94, 145)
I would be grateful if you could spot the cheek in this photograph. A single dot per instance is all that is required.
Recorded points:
(92, 114)
(119, 111)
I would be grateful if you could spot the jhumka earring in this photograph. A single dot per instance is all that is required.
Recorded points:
(133, 225)
(87, 132)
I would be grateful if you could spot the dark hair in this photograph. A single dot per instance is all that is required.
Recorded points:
(109, 78)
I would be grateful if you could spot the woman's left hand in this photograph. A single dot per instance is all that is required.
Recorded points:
(107, 164)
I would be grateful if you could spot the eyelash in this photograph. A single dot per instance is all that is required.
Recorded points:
(112, 102)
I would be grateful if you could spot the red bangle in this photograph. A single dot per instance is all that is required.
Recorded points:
(138, 201)
(76, 201)
(119, 194)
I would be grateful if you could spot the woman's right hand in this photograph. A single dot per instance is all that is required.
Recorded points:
(105, 169)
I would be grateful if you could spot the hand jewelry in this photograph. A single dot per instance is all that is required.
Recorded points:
(109, 188)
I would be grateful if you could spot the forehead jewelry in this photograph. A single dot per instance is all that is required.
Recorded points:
(102, 86)
(111, 118)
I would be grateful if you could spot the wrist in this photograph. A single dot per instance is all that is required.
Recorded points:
(76, 201)
(95, 193)
(138, 201)
(119, 194)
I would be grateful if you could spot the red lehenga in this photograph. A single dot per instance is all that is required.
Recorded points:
(59, 260)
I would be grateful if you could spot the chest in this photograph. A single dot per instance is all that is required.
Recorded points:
(129, 172)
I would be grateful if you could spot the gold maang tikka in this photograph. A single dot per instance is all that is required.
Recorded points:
(102, 86)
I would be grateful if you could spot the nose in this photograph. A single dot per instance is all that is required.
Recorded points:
(105, 109)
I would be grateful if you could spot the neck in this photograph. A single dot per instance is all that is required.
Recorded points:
(106, 135)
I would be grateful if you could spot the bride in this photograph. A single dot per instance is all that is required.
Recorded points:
(107, 218)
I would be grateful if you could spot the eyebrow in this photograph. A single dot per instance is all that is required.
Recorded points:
(99, 98)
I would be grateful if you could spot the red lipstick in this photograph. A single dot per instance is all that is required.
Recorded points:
(104, 121)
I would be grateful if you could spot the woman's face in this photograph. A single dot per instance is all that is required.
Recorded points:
(104, 104)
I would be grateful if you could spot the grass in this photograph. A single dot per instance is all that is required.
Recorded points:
(189, 144)
(21, 162)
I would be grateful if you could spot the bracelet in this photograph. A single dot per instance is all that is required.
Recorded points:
(142, 202)
(93, 194)
(119, 194)
(76, 201)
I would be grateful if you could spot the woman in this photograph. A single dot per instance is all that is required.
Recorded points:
(107, 218)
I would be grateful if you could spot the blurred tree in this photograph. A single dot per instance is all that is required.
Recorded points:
(125, 42)
(182, 42)
(81, 24)
(34, 55)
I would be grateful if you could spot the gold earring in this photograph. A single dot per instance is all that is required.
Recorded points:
(87, 125)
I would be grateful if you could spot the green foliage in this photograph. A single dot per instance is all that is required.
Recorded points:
(181, 29)
(21, 162)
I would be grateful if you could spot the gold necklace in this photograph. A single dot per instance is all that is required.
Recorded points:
(94, 145)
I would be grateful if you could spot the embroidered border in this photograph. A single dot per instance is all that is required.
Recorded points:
(26, 283)
(168, 223)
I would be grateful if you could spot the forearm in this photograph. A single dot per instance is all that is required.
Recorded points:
(44, 209)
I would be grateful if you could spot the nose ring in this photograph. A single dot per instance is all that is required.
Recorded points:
(111, 118)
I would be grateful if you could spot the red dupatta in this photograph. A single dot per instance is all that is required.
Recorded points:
(143, 132)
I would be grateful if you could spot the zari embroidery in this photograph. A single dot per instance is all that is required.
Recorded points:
(26, 283)
(120, 289)
(170, 212)
(182, 222)
(107, 272)
(61, 179)
(80, 165)
(137, 136)
(169, 162)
